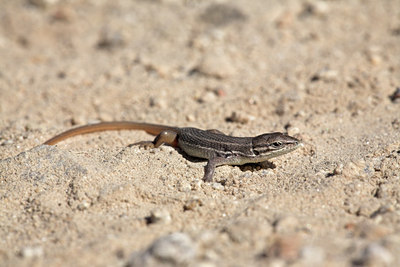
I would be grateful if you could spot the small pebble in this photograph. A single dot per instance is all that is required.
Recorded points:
(206, 264)
(370, 231)
(160, 216)
(110, 39)
(354, 169)
(43, 3)
(78, 120)
(152, 65)
(208, 97)
(368, 208)
(376, 163)
(351, 206)
(277, 263)
(62, 15)
(376, 255)
(339, 169)
(7, 142)
(190, 118)
(384, 191)
(192, 204)
(30, 252)
(222, 14)
(83, 206)
(248, 230)
(216, 64)
(196, 184)
(315, 8)
(184, 186)
(240, 117)
(326, 75)
(158, 102)
(375, 59)
(395, 97)
(286, 247)
(396, 124)
(171, 250)
(312, 256)
(218, 186)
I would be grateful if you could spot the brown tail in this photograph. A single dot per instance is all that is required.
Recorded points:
(153, 129)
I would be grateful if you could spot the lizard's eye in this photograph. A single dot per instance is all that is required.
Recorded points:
(276, 144)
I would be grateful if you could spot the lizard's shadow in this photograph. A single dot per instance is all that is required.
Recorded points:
(245, 167)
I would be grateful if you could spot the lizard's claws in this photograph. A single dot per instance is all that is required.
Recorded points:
(143, 144)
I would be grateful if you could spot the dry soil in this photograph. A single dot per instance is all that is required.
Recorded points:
(323, 71)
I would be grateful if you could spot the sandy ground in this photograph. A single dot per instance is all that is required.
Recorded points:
(323, 71)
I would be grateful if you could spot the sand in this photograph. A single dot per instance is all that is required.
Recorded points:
(323, 71)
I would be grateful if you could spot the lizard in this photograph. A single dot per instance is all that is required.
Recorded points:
(218, 148)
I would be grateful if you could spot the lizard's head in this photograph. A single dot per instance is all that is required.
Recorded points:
(274, 144)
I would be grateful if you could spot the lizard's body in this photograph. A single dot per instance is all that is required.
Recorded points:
(218, 148)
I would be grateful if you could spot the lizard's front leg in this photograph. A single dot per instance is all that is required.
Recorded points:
(210, 167)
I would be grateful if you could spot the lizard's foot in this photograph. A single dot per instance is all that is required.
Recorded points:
(143, 144)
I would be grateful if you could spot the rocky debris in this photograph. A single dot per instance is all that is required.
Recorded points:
(43, 3)
(110, 39)
(248, 230)
(285, 247)
(369, 208)
(217, 186)
(208, 97)
(83, 205)
(368, 230)
(171, 250)
(240, 117)
(396, 124)
(222, 15)
(326, 75)
(193, 204)
(373, 54)
(395, 97)
(312, 255)
(354, 169)
(184, 186)
(31, 252)
(217, 64)
(315, 8)
(161, 216)
(374, 254)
